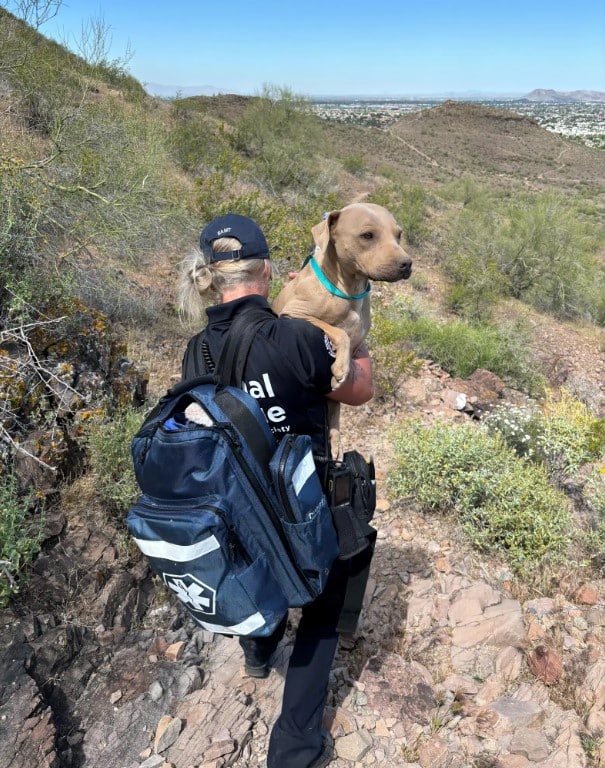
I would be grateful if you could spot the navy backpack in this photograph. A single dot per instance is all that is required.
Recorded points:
(235, 524)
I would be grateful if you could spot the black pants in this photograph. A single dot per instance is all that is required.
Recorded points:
(296, 738)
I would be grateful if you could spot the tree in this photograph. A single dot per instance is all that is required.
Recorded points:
(35, 12)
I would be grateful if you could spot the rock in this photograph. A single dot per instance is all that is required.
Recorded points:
(433, 753)
(353, 746)
(398, 689)
(219, 749)
(28, 735)
(453, 399)
(512, 761)
(517, 714)
(587, 594)
(592, 690)
(167, 733)
(188, 681)
(174, 651)
(155, 761)
(545, 664)
(156, 691)
(530, 743)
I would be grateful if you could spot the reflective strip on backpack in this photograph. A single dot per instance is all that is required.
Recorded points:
(176, 552)
(303, 472)
(245, 627)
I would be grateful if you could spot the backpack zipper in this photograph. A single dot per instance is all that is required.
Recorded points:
(283, 491)
(267, 504)
(233, 541)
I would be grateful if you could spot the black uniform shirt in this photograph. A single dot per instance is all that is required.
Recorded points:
(288, 369)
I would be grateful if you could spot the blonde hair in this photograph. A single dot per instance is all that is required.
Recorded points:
(200, 280)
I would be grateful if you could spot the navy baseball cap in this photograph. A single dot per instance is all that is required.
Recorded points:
(254, 245)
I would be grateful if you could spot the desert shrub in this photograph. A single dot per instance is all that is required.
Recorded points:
(20, 535)
(539, 249)
(461, 347)
(93, 170)
(354, 164)
(548, 256)
(594, 494)
(118, 298)
(519, 427)
(196, 143)
(471, 265)
(505, 504)
(108, 443)
(18, 226)
(280, 133)
(571, 434)
(467, 192)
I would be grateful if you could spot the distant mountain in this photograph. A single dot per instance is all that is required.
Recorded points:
(169, 91)
(562, 97)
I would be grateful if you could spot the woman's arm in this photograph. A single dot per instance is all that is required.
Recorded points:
(358, 387)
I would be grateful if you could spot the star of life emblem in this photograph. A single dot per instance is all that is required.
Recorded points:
(199, 597)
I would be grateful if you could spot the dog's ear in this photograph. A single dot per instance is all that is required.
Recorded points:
(322, 231)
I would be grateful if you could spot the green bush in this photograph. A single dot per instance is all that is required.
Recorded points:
(20, 535)
(93, 170)
(505, 504)
(471, 265)
(110, 460)
(539, 249)
(467, 192)
(18, 227)
(519, 427)
(354, 164)
(594, 494)
(571, 434)
(281, 135)
(196, 142)
(461, 347)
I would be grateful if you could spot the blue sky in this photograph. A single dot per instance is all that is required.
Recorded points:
(375, 47)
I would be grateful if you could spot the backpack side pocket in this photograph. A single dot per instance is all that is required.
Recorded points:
(306, 515)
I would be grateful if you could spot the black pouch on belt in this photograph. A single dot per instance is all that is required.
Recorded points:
(351, 490)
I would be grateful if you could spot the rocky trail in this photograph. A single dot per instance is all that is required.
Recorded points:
(452, 665)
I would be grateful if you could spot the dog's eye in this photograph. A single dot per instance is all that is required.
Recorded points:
(367, 235)
(398, 235)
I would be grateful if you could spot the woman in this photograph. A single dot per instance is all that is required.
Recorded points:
(288, 370)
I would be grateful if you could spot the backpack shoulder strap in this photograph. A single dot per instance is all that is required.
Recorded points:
(230, 371)
(244, 327)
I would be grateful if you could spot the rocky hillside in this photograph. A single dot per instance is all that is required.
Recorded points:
(453, 665)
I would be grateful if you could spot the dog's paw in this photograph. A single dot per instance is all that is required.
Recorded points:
(340, 372)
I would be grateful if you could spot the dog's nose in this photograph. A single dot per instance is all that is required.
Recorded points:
(406, 269)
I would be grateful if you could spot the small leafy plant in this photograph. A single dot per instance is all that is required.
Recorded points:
(110, 460)
(20, 535)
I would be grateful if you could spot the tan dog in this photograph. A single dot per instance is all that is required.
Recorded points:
(359, 243)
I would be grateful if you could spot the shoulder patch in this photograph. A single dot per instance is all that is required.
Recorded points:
(329, 346)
